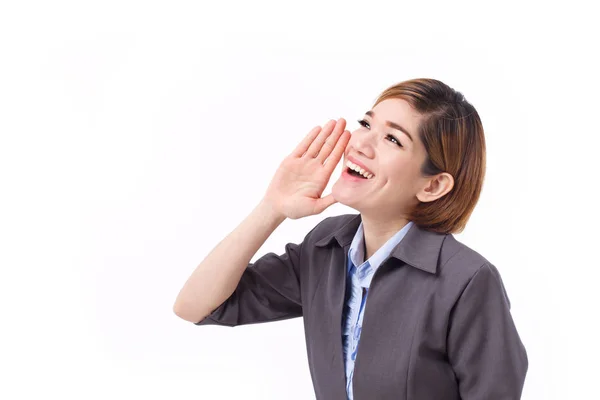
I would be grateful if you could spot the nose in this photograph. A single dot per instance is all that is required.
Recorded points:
(363, 143)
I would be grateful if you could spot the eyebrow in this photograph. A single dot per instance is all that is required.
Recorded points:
(392, 125)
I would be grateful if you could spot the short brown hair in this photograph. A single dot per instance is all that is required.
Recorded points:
(452, 133)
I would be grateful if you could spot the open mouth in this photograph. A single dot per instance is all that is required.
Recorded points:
(354, 173)
(358, 171)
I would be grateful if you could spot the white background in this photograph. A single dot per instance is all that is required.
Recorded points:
(136, 135)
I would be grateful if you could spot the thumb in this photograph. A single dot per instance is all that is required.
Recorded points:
(324, 202)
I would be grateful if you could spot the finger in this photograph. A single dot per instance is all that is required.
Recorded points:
(305, 143)
(338, 152)
(316, 145)
(324, 202)
(331, 140)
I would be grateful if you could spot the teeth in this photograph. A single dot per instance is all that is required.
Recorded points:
(358, 169)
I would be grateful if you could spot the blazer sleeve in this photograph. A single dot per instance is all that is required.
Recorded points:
(484, 347)
(269, 290)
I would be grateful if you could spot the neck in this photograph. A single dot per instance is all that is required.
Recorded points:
(378, 231)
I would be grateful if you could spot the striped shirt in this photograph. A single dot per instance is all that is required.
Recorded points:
(360, 273)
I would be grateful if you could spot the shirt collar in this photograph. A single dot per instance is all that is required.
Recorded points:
(357, 248)
(418, 248)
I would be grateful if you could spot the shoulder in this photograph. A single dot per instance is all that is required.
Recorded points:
(461, 264)
(340, 227)
(333, 224)
(457, 255)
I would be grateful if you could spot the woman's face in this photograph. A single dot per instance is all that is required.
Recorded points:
(391, 155)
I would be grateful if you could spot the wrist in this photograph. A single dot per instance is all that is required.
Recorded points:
(267, 213)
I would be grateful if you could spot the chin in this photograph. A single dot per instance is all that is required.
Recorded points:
(346, 197)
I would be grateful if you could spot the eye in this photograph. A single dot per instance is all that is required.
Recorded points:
(393, 138)
(366, 125)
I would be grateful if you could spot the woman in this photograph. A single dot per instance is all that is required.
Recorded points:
(438, 323)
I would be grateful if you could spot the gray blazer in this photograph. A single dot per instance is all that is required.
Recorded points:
(437, 322)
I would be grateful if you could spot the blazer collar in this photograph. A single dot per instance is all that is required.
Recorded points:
(419, 248)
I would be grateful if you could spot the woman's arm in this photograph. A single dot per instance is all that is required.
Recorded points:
(294, 192)
(217, 276)
(484, 347)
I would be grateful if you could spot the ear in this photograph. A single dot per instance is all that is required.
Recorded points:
(436, 187)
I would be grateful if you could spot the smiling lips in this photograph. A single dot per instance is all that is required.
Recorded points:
(362, 171)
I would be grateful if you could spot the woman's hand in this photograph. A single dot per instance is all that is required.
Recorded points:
(295, 190)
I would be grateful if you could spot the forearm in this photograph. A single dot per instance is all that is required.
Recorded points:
(217, 276)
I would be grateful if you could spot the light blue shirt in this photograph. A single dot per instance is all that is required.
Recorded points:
(358, 282)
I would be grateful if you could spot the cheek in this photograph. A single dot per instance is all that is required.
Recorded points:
(352, 140)
(404, 174)
(399, 169)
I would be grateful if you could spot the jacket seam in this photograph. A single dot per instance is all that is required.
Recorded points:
(317, 287)
(412, 339)
(300, 260)
(458, 298)
(467, 284)
(410, 356)
(450, 258)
